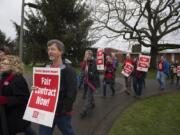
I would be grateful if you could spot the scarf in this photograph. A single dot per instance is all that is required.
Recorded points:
(6, 80)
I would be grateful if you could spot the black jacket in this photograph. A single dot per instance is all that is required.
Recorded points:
(68, 90)
(17, 93)
(93, 74)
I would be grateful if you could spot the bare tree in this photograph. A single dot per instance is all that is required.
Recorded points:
(147, 22)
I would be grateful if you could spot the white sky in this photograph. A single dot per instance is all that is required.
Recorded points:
(120, 43)
(10, 10)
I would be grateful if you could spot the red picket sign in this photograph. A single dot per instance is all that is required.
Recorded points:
(128, 69)
(100, 59)
(143, 63)
(42, 103)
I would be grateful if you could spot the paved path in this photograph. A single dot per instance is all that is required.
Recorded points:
(107, 108)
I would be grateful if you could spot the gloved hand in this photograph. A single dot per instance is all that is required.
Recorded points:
(3, 100)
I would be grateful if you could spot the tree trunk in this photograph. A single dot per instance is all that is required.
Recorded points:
(153, 53)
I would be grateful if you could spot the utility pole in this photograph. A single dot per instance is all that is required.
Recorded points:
(21, 32)
(22, 24)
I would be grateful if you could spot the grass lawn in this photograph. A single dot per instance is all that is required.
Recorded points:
(153, 116)
(150, 75)
(28, 69)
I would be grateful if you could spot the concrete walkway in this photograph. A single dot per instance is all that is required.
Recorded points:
(107, 108)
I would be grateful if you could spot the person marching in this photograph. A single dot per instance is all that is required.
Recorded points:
(138, 78)
(68, 90)
(91, 80)
(115, 63)
(109, 76)
(129, 78)
(83, 71)
(173, 72)
(177, 76)
(14, 95)
(163, 71)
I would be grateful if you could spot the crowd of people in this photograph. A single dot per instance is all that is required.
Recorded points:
(14, 91)
(136, 80)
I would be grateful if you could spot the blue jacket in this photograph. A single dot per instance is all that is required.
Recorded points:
(166, 66)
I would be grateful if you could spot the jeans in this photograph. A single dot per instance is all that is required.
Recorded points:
(63, 123)
(89, 99)
(29, 131)
(137, 85)
(128, 83)
(85, 90)
(161, 79)
(177, 80)
(110, 83)
(80, 80)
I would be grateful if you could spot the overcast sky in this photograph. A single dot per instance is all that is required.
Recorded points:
(10, 10)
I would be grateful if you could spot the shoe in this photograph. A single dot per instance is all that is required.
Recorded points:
(83, 97)
(127, 92)
(83, 114)
(93, 106)
(138, 97)
(162, 89)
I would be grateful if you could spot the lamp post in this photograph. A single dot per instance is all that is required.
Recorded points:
(21, 32)
(22, 24)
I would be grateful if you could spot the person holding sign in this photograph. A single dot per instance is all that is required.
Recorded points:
(109, 75)
(138, 78)
(15, 94)
(128, 60)
(68, 90)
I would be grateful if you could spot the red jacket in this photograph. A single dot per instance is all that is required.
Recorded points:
(109, 72)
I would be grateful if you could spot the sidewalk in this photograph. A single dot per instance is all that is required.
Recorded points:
(107, 108)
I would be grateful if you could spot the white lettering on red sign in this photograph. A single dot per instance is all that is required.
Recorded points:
(45, 81)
